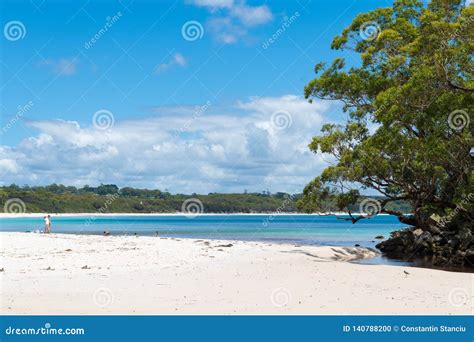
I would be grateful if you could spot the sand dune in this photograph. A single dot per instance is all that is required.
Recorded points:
(72, 274)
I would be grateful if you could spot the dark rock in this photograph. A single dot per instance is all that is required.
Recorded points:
(469, 255)
(379, 237)
(423, 241)
(449, 248)
(454, 243)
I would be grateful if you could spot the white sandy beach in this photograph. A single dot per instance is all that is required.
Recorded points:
(80, 274)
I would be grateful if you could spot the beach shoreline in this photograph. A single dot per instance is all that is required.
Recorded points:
(36, 215)
(92, 274)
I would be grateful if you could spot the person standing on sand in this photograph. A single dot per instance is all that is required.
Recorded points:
(47, 224)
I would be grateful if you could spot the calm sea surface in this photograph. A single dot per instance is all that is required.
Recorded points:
(298, 229)
(295, 229)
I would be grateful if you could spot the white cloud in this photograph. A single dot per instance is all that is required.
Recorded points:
(177, 150)
(62, 66)
(213, 4)
(231, 20)
(252, 15)
(224, 30)
(176, 59)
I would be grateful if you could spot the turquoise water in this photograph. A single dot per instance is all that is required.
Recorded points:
(297, 229)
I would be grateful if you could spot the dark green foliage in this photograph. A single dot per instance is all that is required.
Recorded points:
(409, 104)
(60, 199)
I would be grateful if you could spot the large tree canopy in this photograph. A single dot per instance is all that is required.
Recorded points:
(409, 105)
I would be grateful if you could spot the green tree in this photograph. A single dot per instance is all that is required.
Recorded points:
(409, 105)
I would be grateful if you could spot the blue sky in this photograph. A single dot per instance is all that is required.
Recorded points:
(219, 111)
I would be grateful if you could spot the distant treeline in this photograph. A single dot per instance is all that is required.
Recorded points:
(109, 198)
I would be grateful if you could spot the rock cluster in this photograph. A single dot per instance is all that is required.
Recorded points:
(442, 247)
